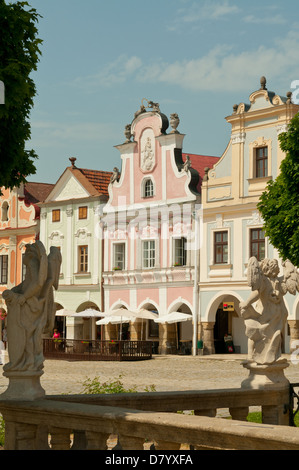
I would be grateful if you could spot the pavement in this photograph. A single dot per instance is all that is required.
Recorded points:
(165, 373)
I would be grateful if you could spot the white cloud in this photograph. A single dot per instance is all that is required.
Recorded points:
(208, 10)
(44, 133)
(112, 74)
(222, 70)
(272, 20)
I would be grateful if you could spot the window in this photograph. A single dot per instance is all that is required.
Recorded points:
(180, 252)
(83, 259)
(148, 188)
(221, 247)
(257, 243)
(56, 215)
(119, 256)
(3, 269)
(23, 267)
(149, 254)
(83, 212)
(4, 211)
(261, 162)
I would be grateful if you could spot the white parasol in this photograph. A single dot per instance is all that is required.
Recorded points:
(174, 317)
(88, 313)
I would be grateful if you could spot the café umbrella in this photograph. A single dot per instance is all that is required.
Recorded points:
(123, 315)
(174, 317)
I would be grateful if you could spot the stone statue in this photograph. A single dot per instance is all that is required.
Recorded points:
(115, 175)
(31, 311)
(187, 164)
(265, 323)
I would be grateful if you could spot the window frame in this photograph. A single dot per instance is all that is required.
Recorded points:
(259, 242)
(56, 212)
(83, 263)
(151, 260)
(80, 210)
(221, 244)
(3, 269)
(116, 246)
(263, 159)
(183, 247)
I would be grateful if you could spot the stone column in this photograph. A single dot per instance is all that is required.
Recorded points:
(135, 331)
(167, 338)
(294, 333)
(208, 337)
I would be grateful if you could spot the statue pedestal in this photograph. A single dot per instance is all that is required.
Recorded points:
(23, 386)
(266, 376)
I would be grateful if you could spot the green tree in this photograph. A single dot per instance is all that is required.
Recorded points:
(19, 55)
(279, 204)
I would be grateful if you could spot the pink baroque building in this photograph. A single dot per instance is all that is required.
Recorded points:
(151, 230)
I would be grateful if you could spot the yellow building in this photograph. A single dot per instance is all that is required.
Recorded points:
(232, 226)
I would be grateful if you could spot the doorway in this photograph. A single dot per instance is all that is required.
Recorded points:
(221, 328)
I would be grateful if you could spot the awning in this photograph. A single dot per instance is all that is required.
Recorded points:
(174, 317)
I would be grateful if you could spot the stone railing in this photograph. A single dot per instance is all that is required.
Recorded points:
(150, 420)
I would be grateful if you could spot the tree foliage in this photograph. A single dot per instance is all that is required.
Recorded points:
(19, 55)
(279, 204)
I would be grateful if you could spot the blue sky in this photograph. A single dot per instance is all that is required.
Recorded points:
(194, 57)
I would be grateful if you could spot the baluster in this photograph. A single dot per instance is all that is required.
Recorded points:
(79, 441)
(131, 442)
(25, 436)
(239, 413)
(60, 439)
(96, 440)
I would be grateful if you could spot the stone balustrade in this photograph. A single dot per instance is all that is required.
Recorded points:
(143, 420)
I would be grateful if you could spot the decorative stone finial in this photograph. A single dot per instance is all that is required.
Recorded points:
(289, 97)
(263, 82)
(235, 108)
(174, 122)
(72, 160)
(206, 176)
(128, 133)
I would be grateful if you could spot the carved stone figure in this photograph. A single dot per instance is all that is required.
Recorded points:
(187, 164)
(266, 320)
(115, 175)
(265, 323)
(148, 156)
(31, 313)
(31, 309)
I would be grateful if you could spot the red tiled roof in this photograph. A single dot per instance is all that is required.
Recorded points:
(99, 179)
(199, 163)
(36, 192)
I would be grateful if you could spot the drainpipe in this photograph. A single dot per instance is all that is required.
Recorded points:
(195, 287)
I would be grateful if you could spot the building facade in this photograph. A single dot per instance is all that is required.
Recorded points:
(232, 226)
(150, 225)
(70, 218)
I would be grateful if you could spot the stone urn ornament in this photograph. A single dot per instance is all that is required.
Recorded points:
(174, 122)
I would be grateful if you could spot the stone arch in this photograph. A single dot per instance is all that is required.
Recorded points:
(183, 331)
(220, 322)
(148, 329)
(86, 326)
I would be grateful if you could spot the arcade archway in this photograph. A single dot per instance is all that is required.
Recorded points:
(225, 319)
